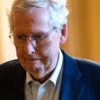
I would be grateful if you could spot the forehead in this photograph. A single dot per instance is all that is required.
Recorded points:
(34, 18)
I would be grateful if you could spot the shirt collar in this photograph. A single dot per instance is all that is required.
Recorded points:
(57, 70)
(28, 78)
(54, 75)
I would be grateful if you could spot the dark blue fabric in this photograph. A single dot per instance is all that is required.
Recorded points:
(80, 80)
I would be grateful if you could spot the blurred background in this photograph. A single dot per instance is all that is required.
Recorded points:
(83, 25)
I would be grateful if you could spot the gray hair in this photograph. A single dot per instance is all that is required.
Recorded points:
(57, 9)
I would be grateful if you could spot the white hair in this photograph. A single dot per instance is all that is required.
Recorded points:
(57, 9)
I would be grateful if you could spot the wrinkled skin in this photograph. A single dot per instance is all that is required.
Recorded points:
(39, 61)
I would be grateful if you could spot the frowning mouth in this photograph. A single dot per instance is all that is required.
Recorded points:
(32, 59)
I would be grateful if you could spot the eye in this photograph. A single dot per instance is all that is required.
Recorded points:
(39, 37)
(20, 36)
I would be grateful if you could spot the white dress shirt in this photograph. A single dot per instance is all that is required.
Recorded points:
(48, 90)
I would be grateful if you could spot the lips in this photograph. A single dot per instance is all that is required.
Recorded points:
(32, 59)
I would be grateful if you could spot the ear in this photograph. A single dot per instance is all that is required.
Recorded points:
(64, 34)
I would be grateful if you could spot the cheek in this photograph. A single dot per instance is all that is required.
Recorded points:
(19, 52)
(21, 57)
(54, 45)
(51, 49)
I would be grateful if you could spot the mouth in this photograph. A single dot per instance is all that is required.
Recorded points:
(32, 59)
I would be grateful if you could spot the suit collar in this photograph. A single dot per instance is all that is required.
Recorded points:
(70, 79)
(70, 67)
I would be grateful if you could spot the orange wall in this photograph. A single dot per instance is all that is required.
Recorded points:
(84, 29)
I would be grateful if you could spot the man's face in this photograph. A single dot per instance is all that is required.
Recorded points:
(39, 59)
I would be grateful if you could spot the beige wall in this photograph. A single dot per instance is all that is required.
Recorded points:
(84, 30)
(7, 51)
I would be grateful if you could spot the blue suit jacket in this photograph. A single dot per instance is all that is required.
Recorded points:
(80, 80)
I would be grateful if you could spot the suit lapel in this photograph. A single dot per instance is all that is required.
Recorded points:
(70, 79)
(19, 76)
(22, 84)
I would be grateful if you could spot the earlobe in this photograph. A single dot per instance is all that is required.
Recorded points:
(64, 34)
(62, 39)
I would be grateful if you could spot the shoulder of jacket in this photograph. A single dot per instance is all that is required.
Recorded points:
(89, 68)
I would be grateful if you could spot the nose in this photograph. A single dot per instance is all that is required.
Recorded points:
(29, 47)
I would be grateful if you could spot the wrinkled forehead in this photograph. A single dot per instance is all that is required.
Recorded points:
(42, 13)
(36, 18)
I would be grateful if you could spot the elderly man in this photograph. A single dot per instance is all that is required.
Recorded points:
(43, 71)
